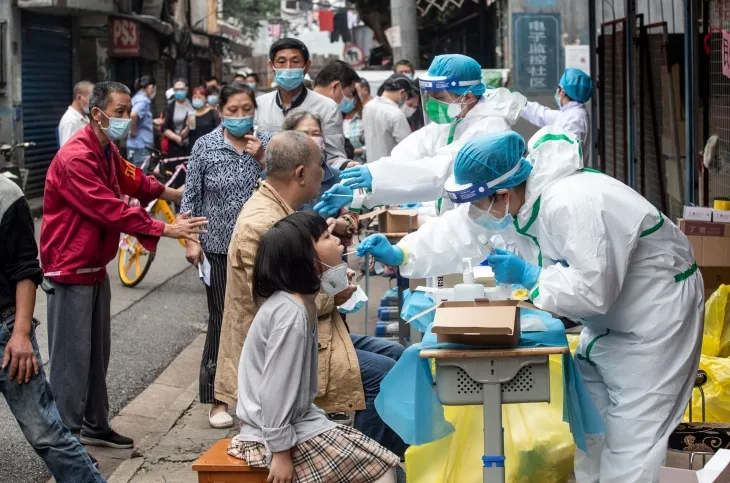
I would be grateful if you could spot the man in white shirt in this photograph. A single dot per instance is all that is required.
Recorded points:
(289, 60)
(77, 114)
(384, 122)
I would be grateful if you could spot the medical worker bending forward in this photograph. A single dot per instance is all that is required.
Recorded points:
(590, 248)
(457, 107)
(575, 89)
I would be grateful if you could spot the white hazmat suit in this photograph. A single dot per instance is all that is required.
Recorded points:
(418, 167)
(572, 117)
(612, 259)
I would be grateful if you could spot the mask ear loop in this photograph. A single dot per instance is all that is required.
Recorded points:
(458, 104)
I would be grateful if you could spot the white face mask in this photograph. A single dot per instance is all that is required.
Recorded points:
(319, 140)
(334, 280)
(408, 110)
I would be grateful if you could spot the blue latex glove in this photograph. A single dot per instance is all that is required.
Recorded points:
(357, 177)
(380, 248)
(333, 200)
(509, 268)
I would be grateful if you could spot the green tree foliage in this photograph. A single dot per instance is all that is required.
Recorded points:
(250, 14)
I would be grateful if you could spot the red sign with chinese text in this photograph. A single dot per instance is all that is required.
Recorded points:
(124, 41)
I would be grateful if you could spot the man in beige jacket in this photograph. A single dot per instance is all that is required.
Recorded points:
(350, 366)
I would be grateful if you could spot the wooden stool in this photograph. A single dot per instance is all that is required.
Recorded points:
(216, 466)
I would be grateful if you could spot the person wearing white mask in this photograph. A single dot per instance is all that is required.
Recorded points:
(574, 90)
(289, 61)
(591, 248)
(83, 217)
(384, 123)
(351, 366)
(77, 114)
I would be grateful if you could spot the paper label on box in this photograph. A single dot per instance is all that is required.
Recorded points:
(701, 228)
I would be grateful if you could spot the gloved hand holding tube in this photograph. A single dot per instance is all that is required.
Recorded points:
(509, 268)
(357, 177)
(380, 248)
(334, 199)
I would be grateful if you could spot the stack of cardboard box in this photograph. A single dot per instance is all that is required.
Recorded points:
(709, 232)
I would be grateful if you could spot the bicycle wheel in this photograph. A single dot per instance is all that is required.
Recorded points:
(134, 261)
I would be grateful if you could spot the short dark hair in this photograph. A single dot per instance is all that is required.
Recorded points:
(237, 76)
(397, 82)
(286, 259)
(405, 62)
(180, 79)
(101, 91)
(337, 70)
(144, 82)
(235, 88)
(288, 43)
(212, 78)
(212, 90)
(254, 75)
(364, 83)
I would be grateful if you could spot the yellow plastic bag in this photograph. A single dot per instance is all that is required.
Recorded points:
(716, 336)
(538, 445)
(717, 391)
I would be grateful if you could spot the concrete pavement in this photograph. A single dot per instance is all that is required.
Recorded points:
(151, 324)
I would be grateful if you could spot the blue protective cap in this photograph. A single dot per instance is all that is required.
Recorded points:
(493, 159)
(577, 84)
(461, 67)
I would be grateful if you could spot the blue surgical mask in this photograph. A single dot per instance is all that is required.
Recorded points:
(289, 79)
(118, 127)
(347, 105)
(238, 126)
(180, 95)
(198, 103)
(252, 85)
(491, 222)
(213, 100)
(410, 76)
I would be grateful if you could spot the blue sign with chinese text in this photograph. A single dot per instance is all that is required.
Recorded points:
(536, 51)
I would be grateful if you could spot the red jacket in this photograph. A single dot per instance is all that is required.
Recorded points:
(83, 214)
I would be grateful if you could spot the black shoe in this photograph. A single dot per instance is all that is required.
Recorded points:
(93, 460)
(112, 439)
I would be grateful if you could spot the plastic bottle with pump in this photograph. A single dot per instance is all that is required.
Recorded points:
(468, 291)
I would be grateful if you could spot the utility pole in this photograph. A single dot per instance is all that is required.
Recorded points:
(403, 14)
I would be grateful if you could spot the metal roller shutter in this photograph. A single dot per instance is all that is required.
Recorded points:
(47, 90)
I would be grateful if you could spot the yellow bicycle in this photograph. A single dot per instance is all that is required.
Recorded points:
(134, 260)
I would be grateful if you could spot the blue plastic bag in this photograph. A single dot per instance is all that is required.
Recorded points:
(413, 304)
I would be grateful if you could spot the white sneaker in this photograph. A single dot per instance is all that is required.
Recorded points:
(220, 420)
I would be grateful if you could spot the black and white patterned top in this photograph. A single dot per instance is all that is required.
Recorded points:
(219, 181)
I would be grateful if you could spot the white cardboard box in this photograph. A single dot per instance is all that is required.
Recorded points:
(697, 213)
(717, 470)
(720, 216)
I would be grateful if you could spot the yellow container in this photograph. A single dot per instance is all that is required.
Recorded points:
(723, 205)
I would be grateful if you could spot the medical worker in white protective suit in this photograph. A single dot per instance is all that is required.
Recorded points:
(575, 89)
(590, 248)
(458, 107)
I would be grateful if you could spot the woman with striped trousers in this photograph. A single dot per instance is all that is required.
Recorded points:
(224, 168)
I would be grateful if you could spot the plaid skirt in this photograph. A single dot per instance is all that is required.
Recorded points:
(341, 454)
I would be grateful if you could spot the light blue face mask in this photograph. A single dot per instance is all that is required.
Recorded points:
(252, 85)
(198, 103)
(118, 127)
(346, 105)
(180, 95)
(213, 100)
(238, 126)
(289, 79)
(86, 109)
(491, 222)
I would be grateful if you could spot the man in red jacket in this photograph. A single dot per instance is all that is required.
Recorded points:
(83, 216)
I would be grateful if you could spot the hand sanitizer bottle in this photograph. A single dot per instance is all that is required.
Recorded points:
(468, 291)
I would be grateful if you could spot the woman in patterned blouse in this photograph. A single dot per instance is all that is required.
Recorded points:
(224, 168)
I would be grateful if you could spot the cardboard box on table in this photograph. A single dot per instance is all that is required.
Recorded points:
(394, 222)
(479, 322)
(717, 470)
(711, 243)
